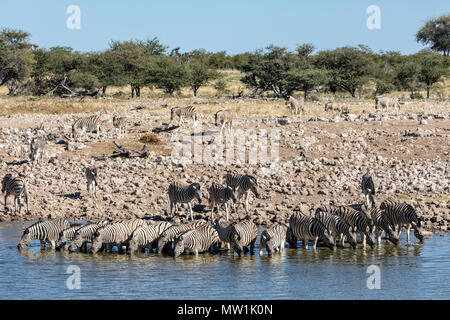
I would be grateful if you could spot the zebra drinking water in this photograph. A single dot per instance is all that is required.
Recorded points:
(337, 227)
(382, 224)
(244, 234)
(198, 240)
(273, 239)
(173, 232)
(85, 234)
(67, 235)
(307, 228)
(46, 231)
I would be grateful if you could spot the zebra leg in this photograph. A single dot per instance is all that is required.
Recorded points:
(315, 242)
(27, 201)
(190, 210)
(53, 244)
(171, 209)
(408, 228)
(246, 201)
(226, 210)
(363, 240)
(42, 243)
(252, 247)
(341, 239)
(6, 197)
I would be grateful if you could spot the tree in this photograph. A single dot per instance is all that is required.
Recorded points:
(431, 70)
(305, 78)
(167, 74)
(16, 58)
(408, 76)
(436, 32)
(199, 75)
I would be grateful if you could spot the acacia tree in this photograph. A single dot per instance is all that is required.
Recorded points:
(199, 75)
(408, 76)
(167, 74)
(436, 32)
(431, 69)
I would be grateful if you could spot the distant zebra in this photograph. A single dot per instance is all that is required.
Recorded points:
(382, 224)
(120, 123)
(244, 234)
(219, 195)
(170, 234)
(110, 235)
(67, 235)
(368, 188)
(86, 124)
(85, 234)
(183, 194)
(46, 231)
(308, 228)
(37, 149)
(18, 187)
(141, 238)
(223, 118)
(183, 112)
(91, 177)
(243, 184)
(357, 220)
(296, 105)
(329, 106)
(273, 239)
(337, 227)
(200, 239)
(401, 214)
(225, 231)
(386, 102)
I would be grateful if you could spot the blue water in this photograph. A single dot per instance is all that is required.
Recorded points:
(416, 271)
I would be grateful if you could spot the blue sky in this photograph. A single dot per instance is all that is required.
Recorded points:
(232, 25)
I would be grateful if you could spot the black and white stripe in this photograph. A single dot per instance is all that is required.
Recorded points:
(141, 238)
(173, 232)
(243, 184)
(382, 224)
(120, 123)
(308, 228)
(386, 102)
(224, 229)
(219, 195)
(46, 231)
(368, 188)
(67, 235)
(86, 124)
(337, 227)
(198, 240)
(91, 177)
(183, 194)
(402, 214)
(183, 112)
(273, 239)
(85, 235)
(18, 188)
(114, 234)
(244, 234)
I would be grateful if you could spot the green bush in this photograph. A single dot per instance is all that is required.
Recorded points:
(416, 95)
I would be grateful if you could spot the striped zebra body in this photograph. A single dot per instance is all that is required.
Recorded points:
(183, 112)
(114, 234)
(45, 231)
(199, 240)
(86, 124)
(173, 232)
(402, 214)
(37, 149)
(382, 224)
(329, 106)
(308, 228)
(120, 123)
(67, 235)
(141, 238)
(290, 238)
(337, 227)
(243, 184)
(357, 220)
(183, 194)
(18, 188)
(224, 118)
(224, 229)
(296, 105)
(91, 177)
(85, 234)
(273, 239)
(220, 196)
(386, 102)
(368, 188)
(244, 234)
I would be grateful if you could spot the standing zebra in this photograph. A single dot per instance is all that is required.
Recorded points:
(141, 238)
(382, 224)
(386, 102)
(224, 117)
(46, 231)
(244, 234)
(91, 177)
(307, 228)
(329, 106)
(173, 232)
(37, 149)
(273, 239)
(183, 194)
(243, 184)
(368, 188)
(224, 229)
(86, 124)
(197, 240)
(295, 105)
(183, 112)
(401, 214)
(337, 227)
(120, 123)
(219, 195)
(67, 235)
(17, 187)
(85, 234)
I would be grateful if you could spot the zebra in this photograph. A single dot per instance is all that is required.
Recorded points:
(368, 188)
(120, 123)
(85, 234)
(37, 149)
(357, 220)
(273, 239)
(86, 124)
(173, 232)
(243, 234)
(400, 214)
(243, 184)
(183, 194)
(219, 195)
(329, 106)
(91, 177)
(197, 240)
(67, 235)
(386, 102)
(294, 104)
(183, 112)
(114, 234)
(382, 224)
(18, 187)
(337, 227)
(45, 231)
(290, 238)
(141, 238)
(224, 230)
(224, 117)
(308, 228)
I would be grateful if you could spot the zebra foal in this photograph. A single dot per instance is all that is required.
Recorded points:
(224, 118)
(37, 147)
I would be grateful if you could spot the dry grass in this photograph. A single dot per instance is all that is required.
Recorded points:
(150, 138)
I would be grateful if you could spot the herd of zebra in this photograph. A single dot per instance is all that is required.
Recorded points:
(331, 226)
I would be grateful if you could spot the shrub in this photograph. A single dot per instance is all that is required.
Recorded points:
(150, 138)
(416, 95)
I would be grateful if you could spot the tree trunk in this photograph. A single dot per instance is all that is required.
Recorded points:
(195, 89)
(104, 90)
(132, 91)
(428, 92)
(138, 91)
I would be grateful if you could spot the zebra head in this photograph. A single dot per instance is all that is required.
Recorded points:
(76, 242)
(328, 239)
(162, 241)
(237, 245)
(25, 240)
(6, 178)
(196, 188)
(269, 244)
(96, 244)
(179, 247)
(418, 231)
(392, 237)
(132, 244)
